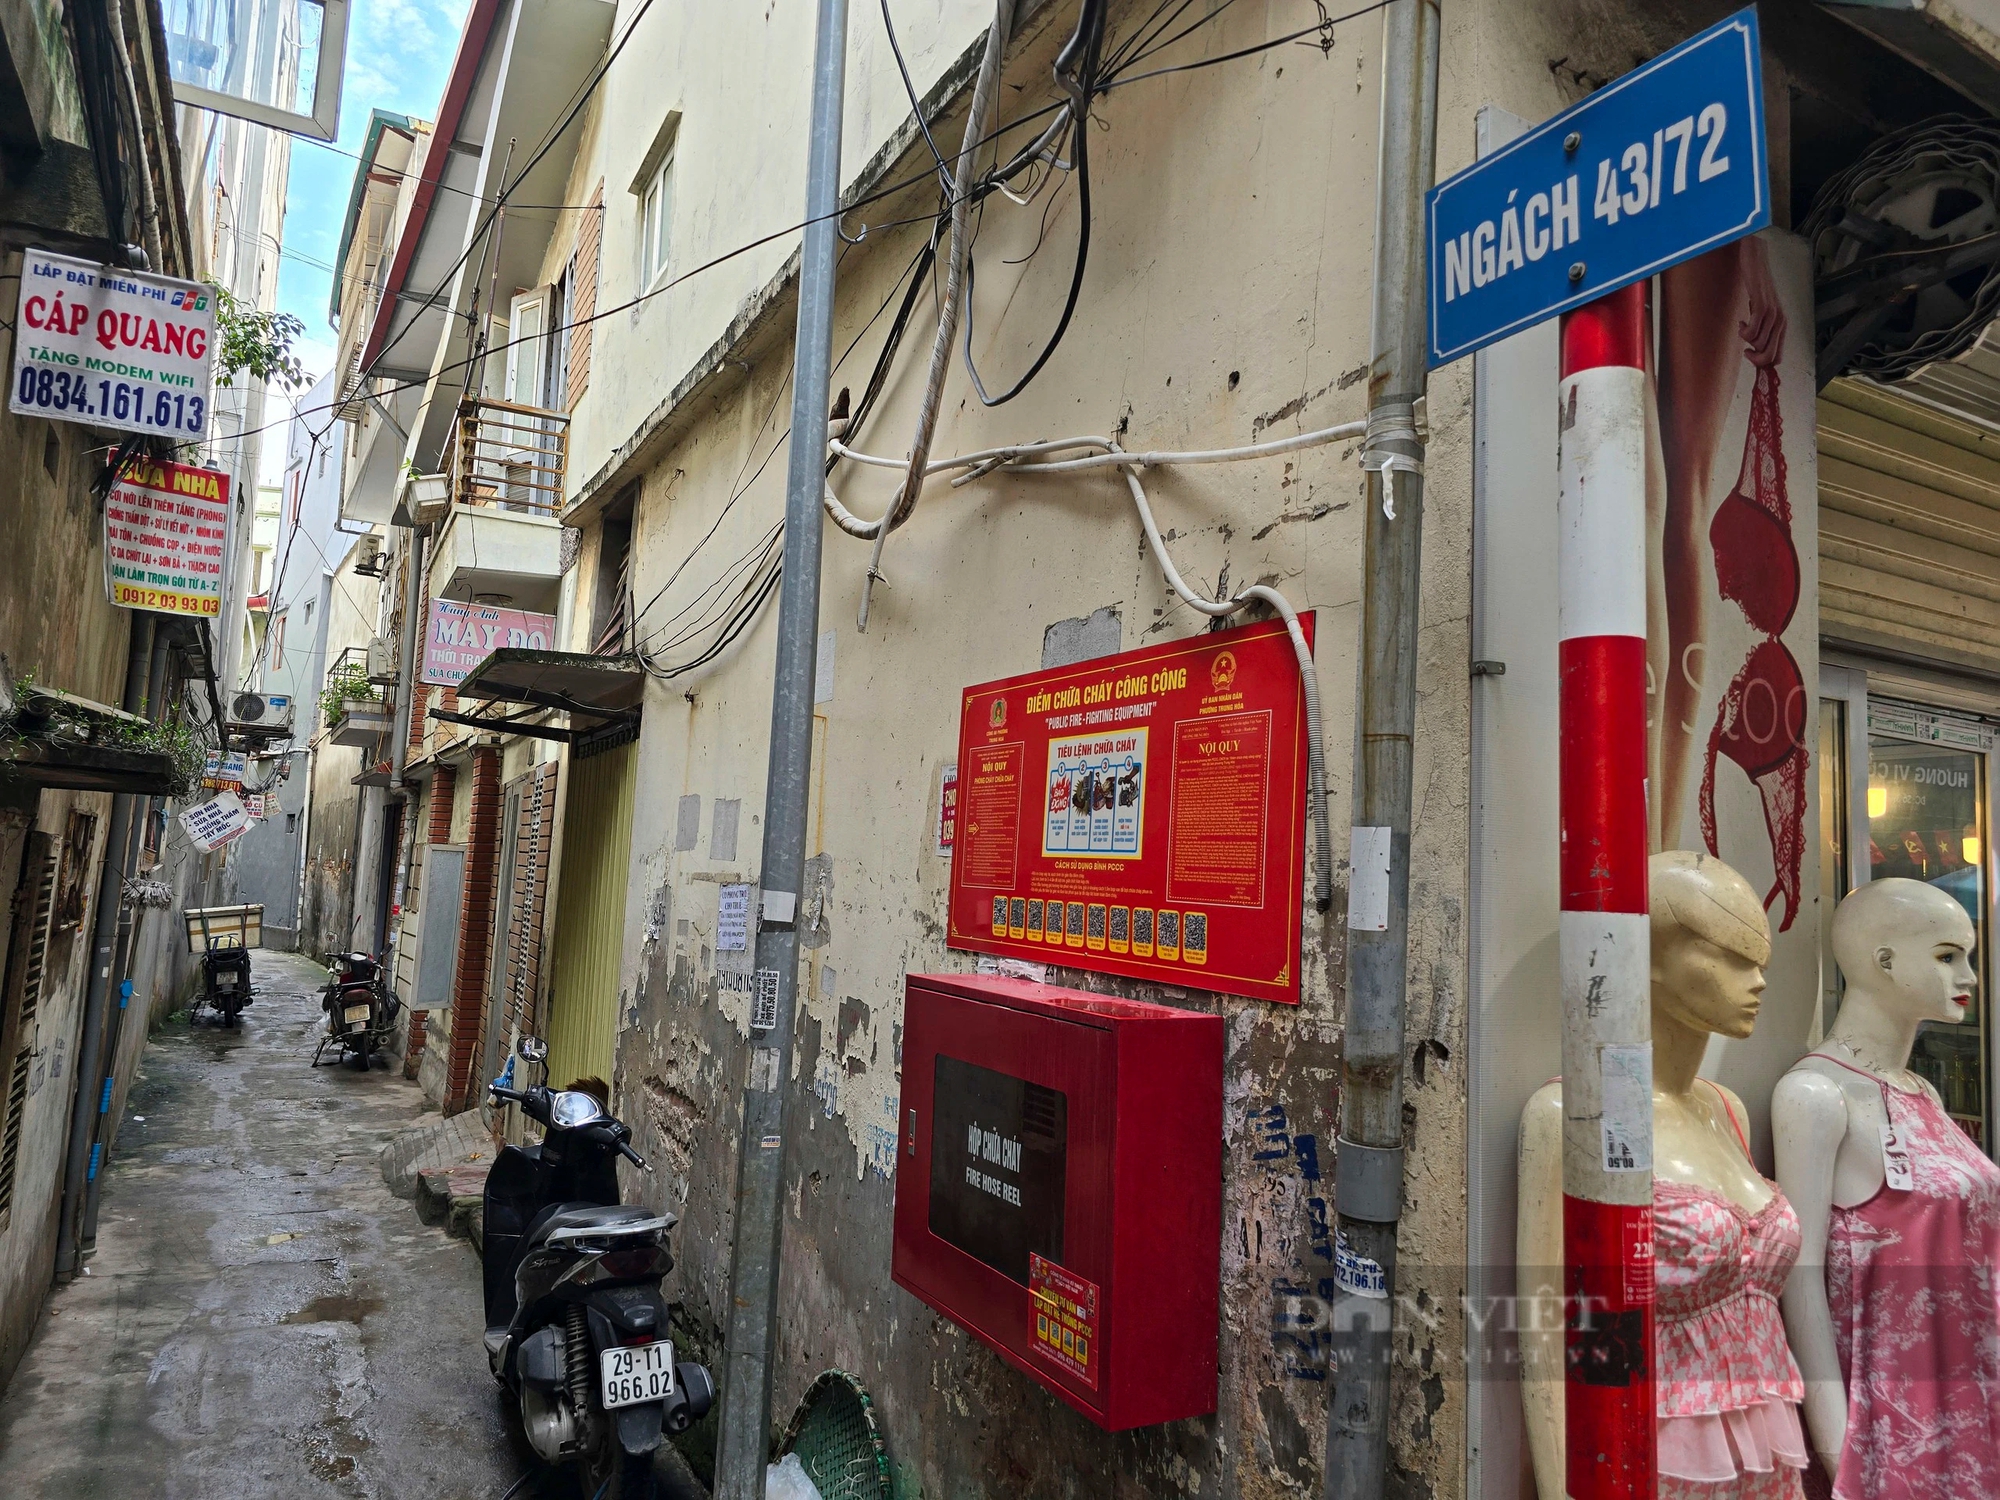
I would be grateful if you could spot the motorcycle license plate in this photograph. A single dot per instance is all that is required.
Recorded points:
(356, 1013)
(643, 1373)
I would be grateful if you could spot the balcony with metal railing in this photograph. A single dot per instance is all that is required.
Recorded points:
(500, 541)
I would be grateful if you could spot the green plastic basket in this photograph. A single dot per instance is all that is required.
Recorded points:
(837, 1441)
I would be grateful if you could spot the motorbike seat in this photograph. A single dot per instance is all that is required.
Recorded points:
(598, 1217)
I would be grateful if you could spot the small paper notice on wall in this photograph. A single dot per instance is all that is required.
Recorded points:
(1357, 1274)
(1627, 1073)
(732, 919)
(764, 1007)
(1368, 857)
(948, 810)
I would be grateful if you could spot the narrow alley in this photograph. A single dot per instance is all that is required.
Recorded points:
(262, 1317)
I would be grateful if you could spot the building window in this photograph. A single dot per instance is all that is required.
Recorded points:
(656, 213)
(278, 645)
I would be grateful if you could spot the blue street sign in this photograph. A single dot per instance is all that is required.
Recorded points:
(1653, 169)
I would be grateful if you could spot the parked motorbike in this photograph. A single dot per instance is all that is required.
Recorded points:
(360, 1011)
(225, 982)
(576, 1328)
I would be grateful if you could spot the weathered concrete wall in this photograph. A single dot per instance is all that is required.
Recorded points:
(1227, 301)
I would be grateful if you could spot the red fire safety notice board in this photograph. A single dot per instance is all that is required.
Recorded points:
(1140, 814)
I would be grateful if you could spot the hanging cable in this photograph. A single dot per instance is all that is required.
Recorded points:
(1076, 72)
(961, 210)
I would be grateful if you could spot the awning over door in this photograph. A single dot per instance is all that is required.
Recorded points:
(601, 694)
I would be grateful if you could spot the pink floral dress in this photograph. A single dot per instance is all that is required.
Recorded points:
(1728, 1386)
(1911, 1282)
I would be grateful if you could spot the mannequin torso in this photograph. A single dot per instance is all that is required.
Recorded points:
(1904, 949)
(1709, 943)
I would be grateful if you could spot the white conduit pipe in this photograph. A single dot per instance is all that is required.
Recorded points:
(1019, 457)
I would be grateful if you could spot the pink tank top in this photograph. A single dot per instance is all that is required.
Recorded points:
(1728, 1387)
(1911, 1282)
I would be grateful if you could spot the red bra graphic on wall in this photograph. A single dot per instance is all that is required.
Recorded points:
(1761, 722)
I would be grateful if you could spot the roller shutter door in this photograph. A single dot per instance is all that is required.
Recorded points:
(1909, 528)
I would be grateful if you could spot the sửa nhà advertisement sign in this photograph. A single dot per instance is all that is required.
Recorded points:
(1141, 814)
(461, 636)
(165, 533)
(112, 348)
(216, 822)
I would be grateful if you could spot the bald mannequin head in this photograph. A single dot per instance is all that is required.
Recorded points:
(1906, 946)
(1711, 941)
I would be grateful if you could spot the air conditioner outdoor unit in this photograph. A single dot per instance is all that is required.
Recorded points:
(381, 667)
(269, 712)
(368, 556)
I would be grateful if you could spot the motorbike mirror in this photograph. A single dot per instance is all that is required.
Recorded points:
(533, 1048)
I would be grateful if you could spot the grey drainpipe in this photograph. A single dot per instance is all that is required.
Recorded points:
(1368, 1180)
(406, 672)
(129, 924)
(90, 1072)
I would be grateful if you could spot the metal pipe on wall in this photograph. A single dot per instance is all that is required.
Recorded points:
(130, 924)
(1368, 1177)
(90, 1072)
(742, 1446)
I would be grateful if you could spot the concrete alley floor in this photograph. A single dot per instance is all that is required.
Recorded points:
(261, 1317)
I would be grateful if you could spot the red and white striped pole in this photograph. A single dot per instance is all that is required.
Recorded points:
(1607, 1066)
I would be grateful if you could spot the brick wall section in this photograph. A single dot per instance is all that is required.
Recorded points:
(444, 788)
(475, 930)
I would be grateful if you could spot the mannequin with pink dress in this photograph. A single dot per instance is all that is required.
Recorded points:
(1895, 1306)
(1724, 1237)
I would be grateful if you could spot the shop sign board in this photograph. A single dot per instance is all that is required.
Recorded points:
(216, 822)
(1140, 814)
(461, 636)
(165, 534)
(111, 348)
(1657, 167)
(224, 772)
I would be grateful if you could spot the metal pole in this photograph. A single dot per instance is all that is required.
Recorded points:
(1368, 1180)
(1606, 941)
(90, 1070)
(130, 926)
(744, 1440)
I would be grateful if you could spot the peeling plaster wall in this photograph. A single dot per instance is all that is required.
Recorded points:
(1227, 300)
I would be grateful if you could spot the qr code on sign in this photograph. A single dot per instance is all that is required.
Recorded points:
(1194, 936)
(1000, 914)
(1121, 922)
(1096, 921)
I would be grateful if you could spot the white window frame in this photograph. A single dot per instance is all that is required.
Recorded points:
(653, 187)
(323, 124)
(656, 218)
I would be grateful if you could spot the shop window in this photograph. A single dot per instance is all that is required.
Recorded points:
(1927, 815)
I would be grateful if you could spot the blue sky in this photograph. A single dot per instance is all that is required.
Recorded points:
(398, 53)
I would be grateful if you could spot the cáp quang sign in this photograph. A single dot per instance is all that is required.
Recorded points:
(111, 348)
(1657, 167)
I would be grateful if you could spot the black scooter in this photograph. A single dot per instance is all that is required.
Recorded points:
(360, 1010)
(576, 1328)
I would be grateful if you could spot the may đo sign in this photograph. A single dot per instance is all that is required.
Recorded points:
(111, 348)
(461, 636)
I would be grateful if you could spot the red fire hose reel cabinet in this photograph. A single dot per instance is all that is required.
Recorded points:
(1059, 1187)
